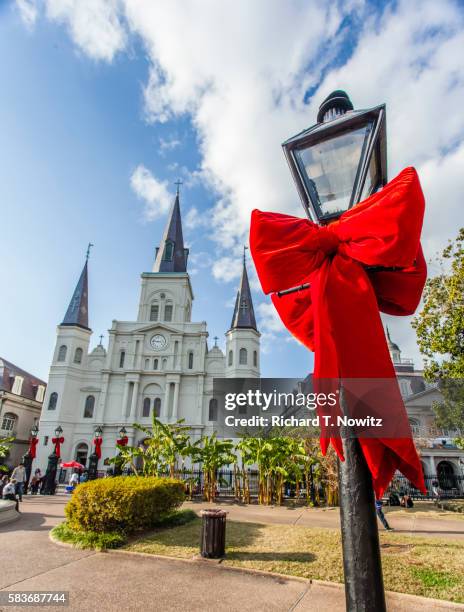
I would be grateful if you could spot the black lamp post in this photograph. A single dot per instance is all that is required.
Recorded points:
(337, 163)
(118, 464)
(50, 474)
(93, 459)
(28, 457)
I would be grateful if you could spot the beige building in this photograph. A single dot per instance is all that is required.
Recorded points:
(440, 457)
(21, 399)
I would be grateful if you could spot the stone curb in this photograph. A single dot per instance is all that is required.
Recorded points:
(414, 599)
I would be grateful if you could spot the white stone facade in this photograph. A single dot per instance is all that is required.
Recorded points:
(159, 362)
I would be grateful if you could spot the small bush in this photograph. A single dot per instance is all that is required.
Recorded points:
(88, 539)
(124, 503)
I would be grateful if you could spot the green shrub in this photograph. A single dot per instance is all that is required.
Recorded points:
(88, 539)
(125, 503)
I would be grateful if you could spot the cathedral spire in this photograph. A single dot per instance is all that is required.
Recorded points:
(171, 256)
(78, 309)
(244, 314)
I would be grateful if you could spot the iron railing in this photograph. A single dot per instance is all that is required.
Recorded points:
(442, 486)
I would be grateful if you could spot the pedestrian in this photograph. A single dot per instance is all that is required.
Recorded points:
(9, 492)
(436, 490)
(19, 474)
(74, 480)
(34, 484)
(3, 482)
(381, 515)
(84, 476)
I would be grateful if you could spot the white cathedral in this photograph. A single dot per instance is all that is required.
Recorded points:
(161, 362)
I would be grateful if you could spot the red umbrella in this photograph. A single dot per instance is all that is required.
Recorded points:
(72, 464)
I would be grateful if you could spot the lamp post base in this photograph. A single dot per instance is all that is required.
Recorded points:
(364, 590)
(93, 464)
(50, 475)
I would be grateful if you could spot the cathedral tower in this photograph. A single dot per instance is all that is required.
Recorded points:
(61, 402)
(242, 339)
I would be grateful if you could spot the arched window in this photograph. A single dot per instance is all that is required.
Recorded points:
(9, 421)
(53, 401)
(122, 356)
(255, 359)
(243, 356)
(231, 357)
(188, 312)
(168, 312)
(78, 355)
(154, 312)
(155, 364)
(168, 251)
(82, 451)
(157, 407)
(89, 406)
(446, 476)
(147, 364)
(164, 364)
(62, 352)
(213, 409)
(190, 360)
(146, 407)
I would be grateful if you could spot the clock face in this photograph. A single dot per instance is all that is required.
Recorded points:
(158, 342)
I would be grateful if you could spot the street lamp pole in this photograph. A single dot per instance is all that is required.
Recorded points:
(29, 456)
(95, 456)
(336, 163)
(50, 474)
(122, 441)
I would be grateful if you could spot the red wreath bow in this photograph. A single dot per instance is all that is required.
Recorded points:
(32, 447)
(122, 441)
(98, 442)
(338, 317)
(58, 442)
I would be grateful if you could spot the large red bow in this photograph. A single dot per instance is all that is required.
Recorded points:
(32, 450)
(338, 317)
(58, 442)
(122, 441)
(98, 442)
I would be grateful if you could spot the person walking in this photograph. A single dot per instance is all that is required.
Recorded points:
(381, 515)
(9, 492)
(19, 474)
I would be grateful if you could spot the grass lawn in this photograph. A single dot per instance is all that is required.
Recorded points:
(420, 566)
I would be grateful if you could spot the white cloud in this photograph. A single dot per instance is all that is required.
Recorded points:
(226, 269)
(168, 144)
(194, 219)
(28, 11)
(96, 26)
(153, 192)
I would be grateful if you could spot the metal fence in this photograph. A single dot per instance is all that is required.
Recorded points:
(444, 487)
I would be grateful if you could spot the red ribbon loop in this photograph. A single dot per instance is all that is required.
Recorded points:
(338, 317)
(98, 442)
(32, 447)
(58, 442)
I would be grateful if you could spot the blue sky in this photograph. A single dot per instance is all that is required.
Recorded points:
(96, 94)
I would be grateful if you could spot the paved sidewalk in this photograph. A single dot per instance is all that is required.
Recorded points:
(404, 521)
(116, 581)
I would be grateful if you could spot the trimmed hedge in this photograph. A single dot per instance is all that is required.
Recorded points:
(124, 503)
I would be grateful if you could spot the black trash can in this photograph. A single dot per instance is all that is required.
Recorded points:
(213, 534)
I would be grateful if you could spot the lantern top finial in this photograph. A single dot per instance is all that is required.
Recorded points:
(338, 102)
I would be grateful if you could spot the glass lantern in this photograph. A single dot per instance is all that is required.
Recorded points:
(341, 160)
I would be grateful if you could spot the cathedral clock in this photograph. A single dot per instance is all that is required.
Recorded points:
(158, 342)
